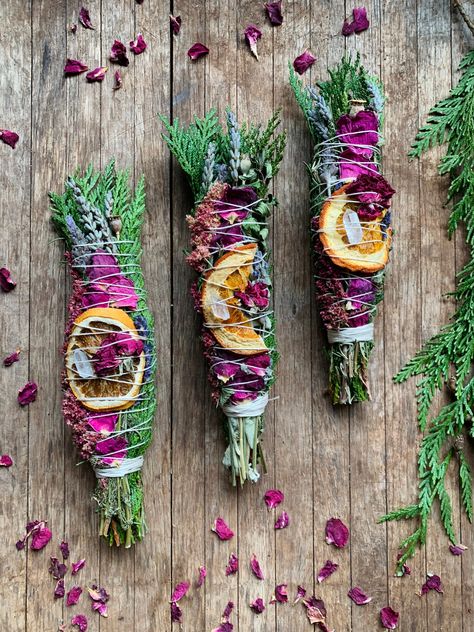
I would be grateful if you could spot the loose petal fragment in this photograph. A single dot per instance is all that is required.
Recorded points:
(222, 530)
(252, 34)
(300, 594)
(12, 358)
(337, 533)
(74, 67)
(273, 497)
(202, 576)
(101, 608)
(274, 13)
(281, 594)
(57, 569)
(179, 592)
(6, 460)
(118, 54)
(175, 22)
(359, 22)
(117, 80)
(27, 394)
(138, 45)
(85, 19)
(97, 74)
(81, 621)
(282, 521)
(232, 565)
(257, 606)
(228, 611)
(9, 138)
(73, 28)
(76, 566)
(197, 51)
(433, 582)
(176, 613)
(40, 537)
(327, 570)
(389, 618)
(64, 548)
(457, 549)
(358, 596)
(6, 282)
(303, 62)
(59, 590)
(255, 566)
(73, 596)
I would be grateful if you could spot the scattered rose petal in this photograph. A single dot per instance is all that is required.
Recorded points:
(283, 521)
(227, 611)
(64, 547)
(202, 576)
(314, 602)
(255, 566)
(179, 592)
(176, 613)
(6, 282)
(76, 566)
(138, 45)
(257, 606)
(117, 80)
(13, 357)
(315, 615)
(337, 533)
(274, 13)
(74, 67)
(27, 394)
(73, 28)
(232, 565)
(457, 549)
(56, 568)
(100, 597)
(118, 54)
(252, 34)
(9, 138)
(359, 22)
(81, 622)
(281, 595)
(433, 582)
(358, 596)
(40, 537)
(197, 51)
(300, 594)
(85, 19)
(327, 570)
(222, 530)
(175, 22)
(6, 460)
(97, 74)
(73, 596)
(224, 627)
(100, 607)
(389, 618)
(303, 62)
(59, 590)
(273, 497)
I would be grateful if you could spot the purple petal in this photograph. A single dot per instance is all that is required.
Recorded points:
(6, 460)
(85, 19)
(359, 22)
(56, 568)
(59, 589)
(337, 533)
(6, 282)
(12, 358)
(222, 530)
(175, 22)
(255, 566)
(281, 595)
(176, 613)
(118, 53)
(202, 576)
(300, 594)
(274, 13)
(76, 566)
(117, 80)
(457, 549)
(64, 547)
(433, 582)
(327, 570)
(40, 537)
(179, 592)
(232, 565)
(252, 34)
(73, 596)
(303, 62)
(273, 497)
(138, 46)
(81, 621)
(282, 521)
(197, 51)
(27, 394)
(9, 138)
(74, 67)
(358, 596)
(389, 618)
(97, 74)
(257, 606)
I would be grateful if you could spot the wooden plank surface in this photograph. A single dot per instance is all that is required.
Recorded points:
(353, 464)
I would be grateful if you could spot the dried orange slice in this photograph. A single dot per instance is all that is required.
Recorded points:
(370, 253)
(101, 393)
(230, 326)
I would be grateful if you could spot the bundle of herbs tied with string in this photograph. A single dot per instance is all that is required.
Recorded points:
(230, 172)
(351, 217)
(108, 382)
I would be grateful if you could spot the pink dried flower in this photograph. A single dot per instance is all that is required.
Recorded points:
(255, 566)
(358, 596)
(274, 13)
(457, 549)
(389, 618)
(118, 53)
(258, 605)
(73, 596)
(74, 67)
(27, 394)
(76, 566)
(176, 613)
(300, 594)
(281, 595)
(337, 533)
(327, 570)
(117, 80)
(232, 565)
(81, 621)
(273, 497)
(433, 582)
(97, 74)
(222, 530)
(85, 19)
(6, 282)
(64, 548)
(138, 45)
(197, 51)
(252, 34)
(175, 22)
(303, 62)
(202, 576)
(40, 537)
(359, 22)
(179, 592)
(6, 460)
(12, 358)
(9, 138)
(282, 521)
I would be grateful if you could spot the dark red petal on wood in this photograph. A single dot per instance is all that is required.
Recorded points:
(9, 138)
(27, 394)
(197, 51)
(274, 13)
(6, 460)
(337, 533)
(6, 282)
(389, 618)
(303, 62)
(97, 74)
(85, 19)
(138, 45)
(175, 22)
(74, 67)
(222, 530)
(327, 570)
(12, 358)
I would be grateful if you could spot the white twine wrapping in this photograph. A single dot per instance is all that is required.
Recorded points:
(364, 333)
(254, 408)
(126, 466)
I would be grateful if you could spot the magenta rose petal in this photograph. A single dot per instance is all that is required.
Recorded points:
(9, 138)
(202, 576)
(257, 606)
(6, 282)
(457, 549)
(358, 596)
(118, 53)
(280, 595)
(255, 566)
(118, 82)
(228, 611)
(389, 618)
(273, 497)
(327, 570)
(6, 460)
(179, 592)
(59, 590)
(303, 62)
(85, 19)
(56, 568)
(175, 22)
(138, 45)
(221, 529)
(252, 34)
(283, 521)
(337, 533)
(97, 74)
(64, 548)
(197, 51)
(40, 537)
(433, 582)
(76, 566)
(12, 358)
(232, 565)
(176, 613)
(300, 594)
(73, 596)
(100, 607)
(81, 621)
(27, 394)
(74, 67)
(274, 13)
(359, 22)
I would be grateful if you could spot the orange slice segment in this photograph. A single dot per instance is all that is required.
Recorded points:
(370, 253)
(231, 327)
(115, 392)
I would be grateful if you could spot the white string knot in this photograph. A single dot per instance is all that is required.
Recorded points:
(126, 466)
(364, 333)
(253, 408)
